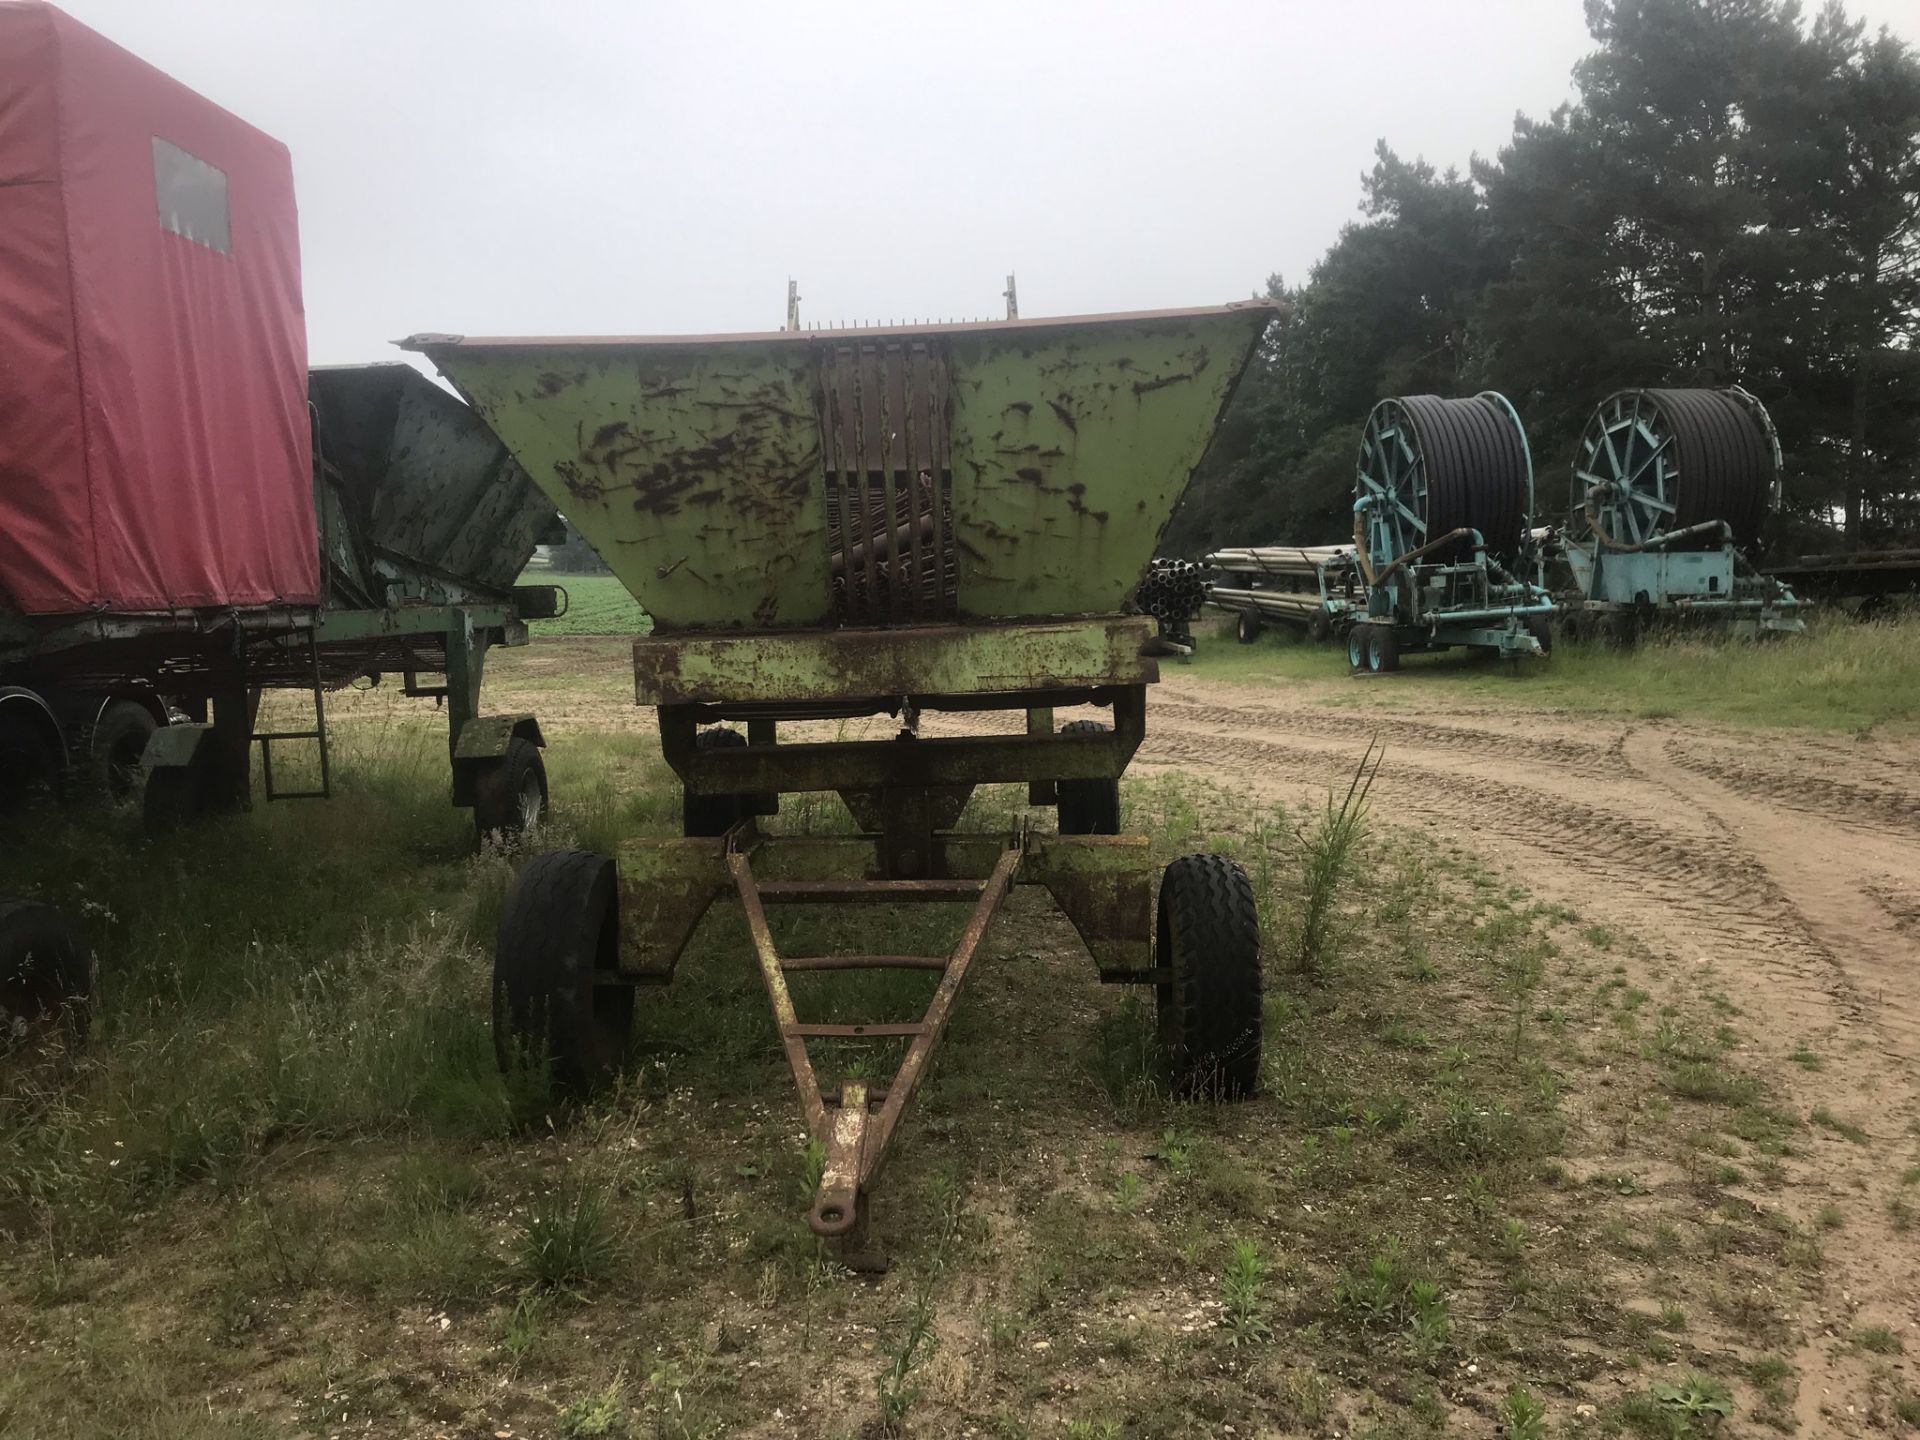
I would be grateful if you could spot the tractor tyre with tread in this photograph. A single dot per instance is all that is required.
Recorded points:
(1088, 807)
(709, 815)
(510, 794)
(1208, 938)
(1359, 638)
(558, 1000)
(1383, 650)
(115, 745)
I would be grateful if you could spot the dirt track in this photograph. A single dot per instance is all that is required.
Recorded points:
(1784, 865)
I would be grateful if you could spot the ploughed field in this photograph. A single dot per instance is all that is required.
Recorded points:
(1589, 1103)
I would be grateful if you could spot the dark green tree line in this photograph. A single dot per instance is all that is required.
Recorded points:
(1732, 198)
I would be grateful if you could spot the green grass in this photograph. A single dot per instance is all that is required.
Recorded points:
(1840, 675)
(596, 605)
(1878, 1340)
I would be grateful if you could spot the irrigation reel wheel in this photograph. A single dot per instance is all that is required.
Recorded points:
(1654, 462)
(1432, 473)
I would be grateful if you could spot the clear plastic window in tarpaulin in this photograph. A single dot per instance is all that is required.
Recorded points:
(192, 195)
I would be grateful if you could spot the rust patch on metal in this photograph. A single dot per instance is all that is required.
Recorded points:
(1147, 387)
(1076, 497)
(578, 485)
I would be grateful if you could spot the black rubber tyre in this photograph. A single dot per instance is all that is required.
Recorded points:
(712, 814)
(1383, 650)
(1319, 627)
(1247, 628)
(1208, 937)
(114, 749)
(30, 767)
(510, 794)
(557, 1001)
(1088, 807)
(1359, 635)
(46, 972)
(1622, 629)
(1541, 628)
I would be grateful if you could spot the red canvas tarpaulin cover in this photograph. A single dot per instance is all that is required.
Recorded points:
(154, 444)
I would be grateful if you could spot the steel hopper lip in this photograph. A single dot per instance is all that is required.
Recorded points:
(431, 342)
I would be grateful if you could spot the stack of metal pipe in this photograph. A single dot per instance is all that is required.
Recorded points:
(1172, 592)
(1282, 582)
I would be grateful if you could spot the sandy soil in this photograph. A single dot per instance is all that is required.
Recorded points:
(1788, 863)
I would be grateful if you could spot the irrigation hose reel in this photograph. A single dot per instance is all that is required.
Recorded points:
(1440, 481)
(1656, 467)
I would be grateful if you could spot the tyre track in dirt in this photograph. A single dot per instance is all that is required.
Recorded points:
(1676, 883)
(1790, 863)
(1843, 802)
(1576, 757)
(1823, 869)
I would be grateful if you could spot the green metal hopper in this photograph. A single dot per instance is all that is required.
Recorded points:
(733, 481)
(840, 523)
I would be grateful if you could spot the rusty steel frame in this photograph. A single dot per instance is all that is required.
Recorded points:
(907, 854)
(860, 1128)
(864, 765)
(1102, 883)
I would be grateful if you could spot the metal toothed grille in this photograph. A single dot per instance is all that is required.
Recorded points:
(889, 488)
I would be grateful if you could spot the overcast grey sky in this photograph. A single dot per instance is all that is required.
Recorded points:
(592, 166)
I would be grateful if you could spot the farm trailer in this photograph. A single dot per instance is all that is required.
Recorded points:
(1442, 532)
(836, 524)
(424, 522)
(174, 474)
(1669, 489)
(1315, 588)
(161, 510)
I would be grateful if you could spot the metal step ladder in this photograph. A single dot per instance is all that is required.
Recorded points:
(318, 734)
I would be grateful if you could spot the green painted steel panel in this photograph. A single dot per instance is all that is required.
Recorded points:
(697, 466)
(1070, 455)
(694, 473)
